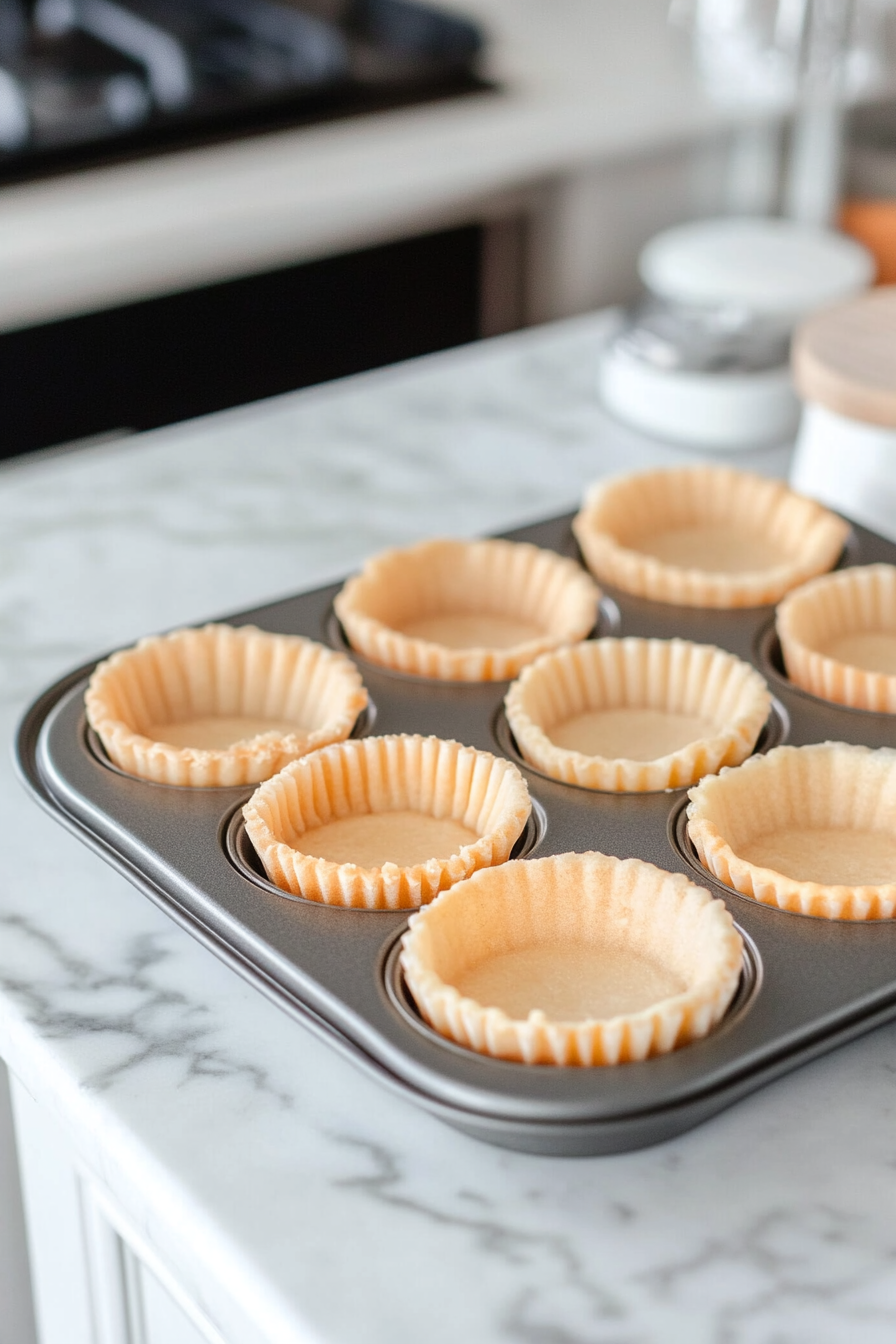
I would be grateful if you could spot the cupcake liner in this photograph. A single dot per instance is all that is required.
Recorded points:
(829, 787)
(855, 601)
(219, 671)
(671, 676)
(616, 907)
(380, 775)
(501, 579)
(621, 516)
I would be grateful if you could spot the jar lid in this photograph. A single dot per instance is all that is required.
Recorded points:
(776, 268)
(845, 358)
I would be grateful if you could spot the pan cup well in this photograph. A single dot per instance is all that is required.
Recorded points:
(241, 853)
(833, 720)
(804, 829)
(706, 536)
(775, 731)
(363, 727)
(386, 822)
(575, 959)
(221, 706)
(402, 1000)
(636, 715)
(607, 625)
(465, 611)
(838, 637)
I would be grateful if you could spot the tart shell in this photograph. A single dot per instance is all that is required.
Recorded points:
(854, 601)
(673, 676)
(429, 775)
(221, 670)
(618, 513)
(576, 898)
(828, 786)
(501, 578)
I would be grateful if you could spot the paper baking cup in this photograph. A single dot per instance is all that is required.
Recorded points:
(501, 579)
(374, 775)
(673, 677)
(572, 904)
(829, 789)
(221, 671)
(860, 601)
(621, 518)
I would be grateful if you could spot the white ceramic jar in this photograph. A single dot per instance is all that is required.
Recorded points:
(704, 361)
(844, 368)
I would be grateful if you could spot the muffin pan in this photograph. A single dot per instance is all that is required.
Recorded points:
(807, 984)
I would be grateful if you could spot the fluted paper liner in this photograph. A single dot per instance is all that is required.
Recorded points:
(674, 676)
(215, 671)
(619, 517)
(485, 793)
(579, 900)
(860, 600)
(478, 578)
(829, 787)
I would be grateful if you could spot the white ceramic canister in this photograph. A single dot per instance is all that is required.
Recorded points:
(704, 361)
(844, 368)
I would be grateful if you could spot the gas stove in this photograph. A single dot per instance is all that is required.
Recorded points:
(88, 81)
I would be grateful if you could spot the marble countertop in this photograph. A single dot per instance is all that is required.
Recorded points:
(580, 81)
(293, 1198)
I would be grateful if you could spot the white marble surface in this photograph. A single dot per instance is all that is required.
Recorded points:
(291, 1196)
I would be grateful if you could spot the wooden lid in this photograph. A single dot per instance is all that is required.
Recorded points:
(845, 358)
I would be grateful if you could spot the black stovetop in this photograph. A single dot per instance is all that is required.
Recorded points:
(90, 81)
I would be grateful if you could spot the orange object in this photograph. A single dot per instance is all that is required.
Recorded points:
(873, 222)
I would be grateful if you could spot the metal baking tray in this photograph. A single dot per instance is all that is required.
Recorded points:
(808, 984)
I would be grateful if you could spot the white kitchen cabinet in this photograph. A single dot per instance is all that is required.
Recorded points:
(16, 1314)
(94, 1282)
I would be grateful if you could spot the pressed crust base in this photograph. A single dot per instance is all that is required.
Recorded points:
(402, 837)
(466, 611)
(705, 536)
(217, 733)
(573, 959)
(838, 637)
(636, 714)
(632, 734)
(416, 814)
(569, 983)
(831, 858)
(807, 829)
(221, 705)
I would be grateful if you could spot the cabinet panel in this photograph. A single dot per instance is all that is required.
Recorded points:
(16, 1315)
(52, 1199)
(163, 1320)
(91, 1282)
(183, 355)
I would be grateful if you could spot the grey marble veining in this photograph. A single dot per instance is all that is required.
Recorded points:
(294, 1198)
